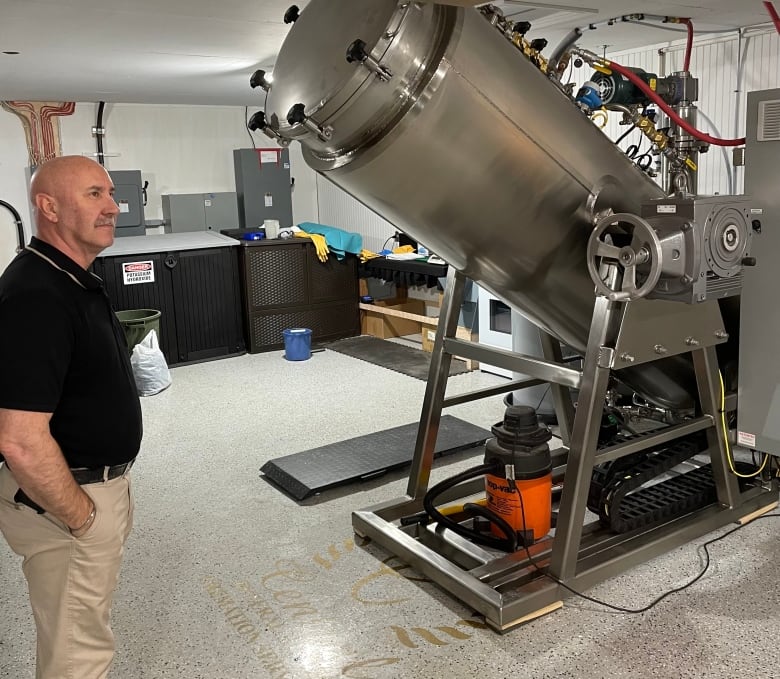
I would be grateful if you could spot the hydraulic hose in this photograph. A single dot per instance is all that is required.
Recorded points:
(653, 96)
(18, 220)
(773, 14)
(688, 45)
(507, 544)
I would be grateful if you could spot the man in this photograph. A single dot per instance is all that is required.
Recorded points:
(70, 420)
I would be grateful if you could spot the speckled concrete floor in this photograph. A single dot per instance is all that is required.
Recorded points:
(227, 578)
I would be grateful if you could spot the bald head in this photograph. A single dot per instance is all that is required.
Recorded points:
(74, 206)
(54, 176)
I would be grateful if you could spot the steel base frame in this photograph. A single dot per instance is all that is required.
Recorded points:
(509, 589)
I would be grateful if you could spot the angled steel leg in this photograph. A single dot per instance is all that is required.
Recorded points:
(564, 409)
(705, 362)
(438, 374)
(584, 437)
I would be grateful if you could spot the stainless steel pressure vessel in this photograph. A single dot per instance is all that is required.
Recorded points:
(428, 115)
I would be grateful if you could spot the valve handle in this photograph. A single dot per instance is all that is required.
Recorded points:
(645, 248)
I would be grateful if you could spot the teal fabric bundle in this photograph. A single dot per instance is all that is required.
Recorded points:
(338, 240)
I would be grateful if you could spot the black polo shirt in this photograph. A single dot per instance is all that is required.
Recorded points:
(63, 351)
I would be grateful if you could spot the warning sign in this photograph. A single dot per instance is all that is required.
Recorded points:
(138, 272)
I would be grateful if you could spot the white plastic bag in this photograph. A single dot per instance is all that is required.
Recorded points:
(149, 366)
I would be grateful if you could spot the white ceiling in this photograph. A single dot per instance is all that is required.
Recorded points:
(204, 51)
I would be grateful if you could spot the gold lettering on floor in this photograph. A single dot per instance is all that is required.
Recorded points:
(403, 635)
(334, 554)
(237, 618)
(281, 597)
(384, 570)
(355, 670)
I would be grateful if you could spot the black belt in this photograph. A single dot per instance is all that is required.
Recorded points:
(85, 475)
(82, 476)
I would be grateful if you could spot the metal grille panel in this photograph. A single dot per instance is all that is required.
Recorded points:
(769, 121)
(332, 280)
(276, 276)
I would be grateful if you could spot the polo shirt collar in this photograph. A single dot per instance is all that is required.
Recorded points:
(88, 280)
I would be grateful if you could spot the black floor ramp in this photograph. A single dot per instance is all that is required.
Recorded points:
(312, 471)
(391, 355)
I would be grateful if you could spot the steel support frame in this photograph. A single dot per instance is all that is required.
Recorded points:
(510, 589)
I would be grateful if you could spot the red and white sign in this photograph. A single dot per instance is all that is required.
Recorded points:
(138, 272)
(746, 439)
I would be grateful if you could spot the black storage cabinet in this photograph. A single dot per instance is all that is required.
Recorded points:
(286, 286)
(196, 287)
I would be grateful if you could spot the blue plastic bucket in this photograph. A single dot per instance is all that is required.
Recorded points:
(297, 344)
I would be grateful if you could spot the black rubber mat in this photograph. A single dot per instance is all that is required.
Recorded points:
(365, 457)
(391, 355)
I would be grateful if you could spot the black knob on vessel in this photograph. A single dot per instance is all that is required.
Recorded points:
(522, 27)
(357, 51)
(539, 44)
(258, 79)
(257, 121)
(748, 261)
(297, 114)
(292, 14)
(756, 224)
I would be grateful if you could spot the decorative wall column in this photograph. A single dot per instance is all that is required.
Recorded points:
(40, 126)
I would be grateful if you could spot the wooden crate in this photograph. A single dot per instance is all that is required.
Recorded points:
(378, 319)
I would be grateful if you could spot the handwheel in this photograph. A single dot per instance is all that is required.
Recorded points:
(645, 248)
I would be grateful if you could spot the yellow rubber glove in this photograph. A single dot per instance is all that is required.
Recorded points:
(320, 246)
(365, 255)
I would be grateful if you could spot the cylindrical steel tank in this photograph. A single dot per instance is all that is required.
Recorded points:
(451, 133)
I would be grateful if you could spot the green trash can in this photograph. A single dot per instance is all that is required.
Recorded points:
(137, 323)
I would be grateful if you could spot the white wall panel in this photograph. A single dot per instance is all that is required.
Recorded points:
(337, 208)
(13, 185)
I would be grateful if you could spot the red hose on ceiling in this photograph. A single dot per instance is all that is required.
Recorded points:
(688, 45)
(773, 13)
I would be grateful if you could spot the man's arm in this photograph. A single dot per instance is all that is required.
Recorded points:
(39, 467)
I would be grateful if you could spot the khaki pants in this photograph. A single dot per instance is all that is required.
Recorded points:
(71, 580)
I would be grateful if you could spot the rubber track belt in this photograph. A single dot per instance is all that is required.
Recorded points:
(612, 482)
(666, 500)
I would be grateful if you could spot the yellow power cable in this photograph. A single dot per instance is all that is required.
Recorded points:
(458, 509)
(602, 115)
(726, 437)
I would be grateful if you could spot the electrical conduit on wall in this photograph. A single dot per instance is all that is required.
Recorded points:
(40, 127)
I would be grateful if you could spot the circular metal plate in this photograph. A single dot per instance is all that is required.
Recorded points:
(727, 236)
(312, 66)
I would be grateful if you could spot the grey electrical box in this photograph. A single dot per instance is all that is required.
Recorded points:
(200, 211)
(758, 417)
(263, 186)
(129, 197)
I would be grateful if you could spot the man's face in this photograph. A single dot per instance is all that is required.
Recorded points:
(87, 211)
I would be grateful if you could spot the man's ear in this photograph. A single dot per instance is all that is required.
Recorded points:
(46, 206)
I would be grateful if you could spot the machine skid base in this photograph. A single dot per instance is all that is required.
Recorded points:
(508, 591)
